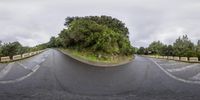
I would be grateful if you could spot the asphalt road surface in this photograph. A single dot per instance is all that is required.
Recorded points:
(52, 75)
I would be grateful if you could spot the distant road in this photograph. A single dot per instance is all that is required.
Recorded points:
(52, 75)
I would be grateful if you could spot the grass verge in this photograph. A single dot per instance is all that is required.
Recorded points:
(93, 58)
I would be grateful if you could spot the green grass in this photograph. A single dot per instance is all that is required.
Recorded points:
(90, 56)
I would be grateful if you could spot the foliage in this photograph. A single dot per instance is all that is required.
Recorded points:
(90, 56)
(182, 47)
(198, 49)
(112, 23)
(141, 50)
(52, 42)
(15, 48)
(156, 47)
(167, 50)
(10, 49)
(101, 35)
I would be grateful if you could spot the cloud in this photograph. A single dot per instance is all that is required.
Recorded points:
(34, 21)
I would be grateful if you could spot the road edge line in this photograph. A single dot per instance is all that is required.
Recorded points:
(21, 78)
(174, 77)
(5, 71)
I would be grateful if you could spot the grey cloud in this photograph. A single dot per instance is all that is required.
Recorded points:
(35, 21)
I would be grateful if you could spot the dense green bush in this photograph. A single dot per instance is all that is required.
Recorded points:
(97, 34)
(182, 47)
(15, 48)
(156, 47)
(141, 50)
(112, 23)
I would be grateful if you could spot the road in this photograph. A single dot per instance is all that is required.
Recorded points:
(52, 75)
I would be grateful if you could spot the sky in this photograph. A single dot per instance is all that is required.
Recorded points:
(32, 22)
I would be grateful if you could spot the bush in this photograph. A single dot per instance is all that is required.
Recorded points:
(98, 34)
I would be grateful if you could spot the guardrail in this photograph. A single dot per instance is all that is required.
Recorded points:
(5, 59)
(170, 57)
(25, 55)
(176, 58)
(19, 57)
(183, 59)
(194, 59)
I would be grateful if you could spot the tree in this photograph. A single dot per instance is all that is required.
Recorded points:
(112, 23)
(198, 49)
(156, 47)
(0, 43)
(10, 49)
(102, 34)
(167, 50)
(52, 42)
(41, 46)
(24, 50)
(183, 47)
(170, 50)
(141, 50)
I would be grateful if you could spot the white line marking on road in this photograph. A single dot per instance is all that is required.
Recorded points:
(25, 67)
(24, 77)
(35, 68)
(170, 64)
(4, 72)
(21, 78)
(182, 68)
(159, 61)
(43, 60)
(174, 77)
(196, 77)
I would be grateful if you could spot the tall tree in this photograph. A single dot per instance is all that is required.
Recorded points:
(0, 43)
(141, 50)
(112, 23)
(183, 46)
(52, 42)
(156, 47)
(198, 49)
(167, 50)
(10, 49)
(102, 34)
(198, 43)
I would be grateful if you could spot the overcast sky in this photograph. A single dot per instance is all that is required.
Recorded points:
(32, 22)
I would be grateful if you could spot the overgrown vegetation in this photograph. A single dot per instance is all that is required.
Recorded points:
(182, 47)
(93, 37)
(103, 36)
(90, 56)
(15, 48)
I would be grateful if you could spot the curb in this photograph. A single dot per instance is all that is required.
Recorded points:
(96, 64)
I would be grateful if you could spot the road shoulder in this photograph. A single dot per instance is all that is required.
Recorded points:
(97, 64)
